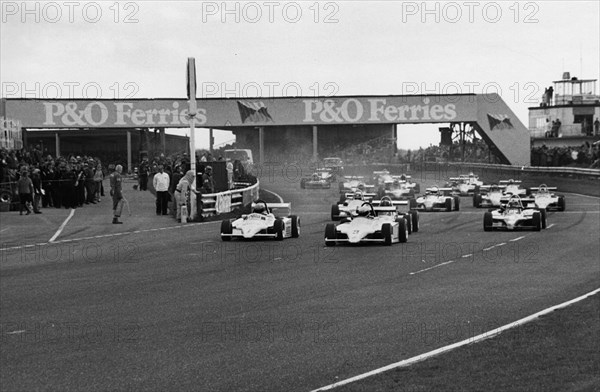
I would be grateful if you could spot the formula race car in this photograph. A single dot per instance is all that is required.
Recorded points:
(489, 196)
(353, 184)
(321, 179)
(542, 198)
(514, 216)
(347, 208)
(335, 164)
(261, 222)
(464, 184)
(513, 187)
(387, 206)
(436, 199)
(367, 226)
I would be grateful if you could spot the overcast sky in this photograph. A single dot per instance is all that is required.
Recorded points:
(139, 49)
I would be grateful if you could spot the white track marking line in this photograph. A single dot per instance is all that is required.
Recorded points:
(483, 336)
(517, 239)
(102, 236)
(549, 226)
(430, 268)
(62, 227)
(467, 255)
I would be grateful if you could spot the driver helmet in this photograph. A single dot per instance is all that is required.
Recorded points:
(315, 176)
(514, 204)
(363, 210)
(434, 190)
(358, 196)
(260, 208)
(386, 203)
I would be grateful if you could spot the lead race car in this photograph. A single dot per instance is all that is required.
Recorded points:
(347, 208)
(514, 216)
(262, 223)
(542, 197)
(464, 184)
(513, 187)
(368, 226)
(387, 206)
(436, 199)
(320, 179)
(353, 184)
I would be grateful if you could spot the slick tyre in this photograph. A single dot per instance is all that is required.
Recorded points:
(414, 216)
(448, 204)
(278, 228)
(386, 232)
(402, 232)
(457, 203)
(537, 221)
(335, 212)
(295, 226)
(330, 235)
(487, 221)
(226, 229)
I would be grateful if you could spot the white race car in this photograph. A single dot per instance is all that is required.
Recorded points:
(367, 226)
(541, 197)
(353, 184)
(261, 222)
(489, 196)
(514, 216)
(513, 187)
(321, 179)
(346, 208)
(465, 184)
(436, 199)
(398, 208)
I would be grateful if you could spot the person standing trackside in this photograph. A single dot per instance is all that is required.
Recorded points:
(116, 187)
(161, 185)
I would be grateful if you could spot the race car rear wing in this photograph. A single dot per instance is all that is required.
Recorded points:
(277, 206)
(443, 190)
(376, 203)
(510, 181)
(549, 188)
(350, 195)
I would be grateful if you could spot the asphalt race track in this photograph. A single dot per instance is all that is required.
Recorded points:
(171, 307)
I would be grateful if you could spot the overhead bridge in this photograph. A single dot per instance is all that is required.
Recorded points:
(311, 120)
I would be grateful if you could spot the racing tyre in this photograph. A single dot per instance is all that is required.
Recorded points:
(561, 203)
(487, 221)
(543, 217)
(335, 212)
(303, 183)
(537, 221)
(295, 226)
(448, 204)
(402, 232)
(457, 203)
(476, 199)
(386, 231)
(330, 234)
(407, 219)
(278, 227)
(341, 186)
(226, 229)
(414, 215)
(476, 190)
